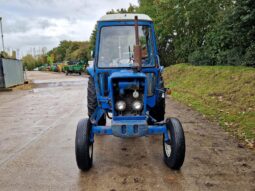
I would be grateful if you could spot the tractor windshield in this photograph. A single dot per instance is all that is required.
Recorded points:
(116, 46)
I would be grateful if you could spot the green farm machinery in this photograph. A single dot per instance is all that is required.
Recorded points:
(75, 67)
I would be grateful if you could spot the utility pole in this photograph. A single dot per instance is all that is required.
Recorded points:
(1, 26)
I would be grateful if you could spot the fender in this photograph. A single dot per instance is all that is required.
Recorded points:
(91, 72)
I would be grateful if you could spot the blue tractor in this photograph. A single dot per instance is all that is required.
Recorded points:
(126, 86)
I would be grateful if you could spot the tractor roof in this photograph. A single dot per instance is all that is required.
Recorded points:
(126, 16)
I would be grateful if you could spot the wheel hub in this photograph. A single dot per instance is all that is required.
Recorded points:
(168, 148)
(90, 150)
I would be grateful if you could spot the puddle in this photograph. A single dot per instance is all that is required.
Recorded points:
(44, 85)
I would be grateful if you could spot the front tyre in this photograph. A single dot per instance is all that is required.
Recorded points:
(83, 145)
(174, 149)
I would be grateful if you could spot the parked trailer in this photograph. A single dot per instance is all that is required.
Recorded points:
(11, 72)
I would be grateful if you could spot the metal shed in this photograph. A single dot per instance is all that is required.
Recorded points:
(11, 73)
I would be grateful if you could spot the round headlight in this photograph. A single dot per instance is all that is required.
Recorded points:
(137, 106)
(120, 105)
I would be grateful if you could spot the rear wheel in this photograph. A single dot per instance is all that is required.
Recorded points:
(174, 149)
(83, 146)
(158, 112)
(92, 101)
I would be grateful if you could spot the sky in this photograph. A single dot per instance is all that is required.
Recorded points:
(30, 25)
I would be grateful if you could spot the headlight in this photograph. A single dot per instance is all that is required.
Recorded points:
(137, 106)
(120, 105)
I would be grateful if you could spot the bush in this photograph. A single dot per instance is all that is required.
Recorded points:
(249, 57)
(231, 57)
(200, 57)
(3, 54)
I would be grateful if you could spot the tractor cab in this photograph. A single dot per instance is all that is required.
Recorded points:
(126, 65)
(119, 36)
(126, 86)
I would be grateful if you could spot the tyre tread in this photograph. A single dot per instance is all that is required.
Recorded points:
(82, 142)
(175, 161)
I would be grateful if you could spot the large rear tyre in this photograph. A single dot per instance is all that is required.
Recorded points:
(83, 145)
(92, 101)
(158, 112)
(174, 149)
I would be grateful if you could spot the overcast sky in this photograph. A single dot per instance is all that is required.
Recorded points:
(44, 23)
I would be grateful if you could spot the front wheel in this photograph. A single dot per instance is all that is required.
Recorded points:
(174, 149)
(83, 145)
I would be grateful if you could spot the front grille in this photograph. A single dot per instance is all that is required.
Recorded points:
(126, 95)
(129, 99)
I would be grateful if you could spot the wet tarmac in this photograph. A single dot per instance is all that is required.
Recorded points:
(37, 132)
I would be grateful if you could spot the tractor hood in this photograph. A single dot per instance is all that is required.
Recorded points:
(128, 86)
(127, 79)
(127, 74)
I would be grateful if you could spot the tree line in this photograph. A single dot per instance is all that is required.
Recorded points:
(204, 32)
(200, 32)
(71, 51)
(65, 51)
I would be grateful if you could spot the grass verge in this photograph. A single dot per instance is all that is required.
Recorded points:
(222, 93)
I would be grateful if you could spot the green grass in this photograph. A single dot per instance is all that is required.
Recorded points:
(222, 93)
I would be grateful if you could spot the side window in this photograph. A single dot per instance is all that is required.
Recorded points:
(147, 46)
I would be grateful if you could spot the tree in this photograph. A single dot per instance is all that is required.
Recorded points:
(241, 24)
(4, 54)
(92, 40)
(50, 59)
(29, 62)
(70, 51)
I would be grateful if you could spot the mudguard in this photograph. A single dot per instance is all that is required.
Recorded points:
(91, 72)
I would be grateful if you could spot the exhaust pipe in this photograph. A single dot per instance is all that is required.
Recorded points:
(137, 48)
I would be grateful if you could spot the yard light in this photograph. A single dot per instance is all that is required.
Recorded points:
(120, 105)
(137, 105)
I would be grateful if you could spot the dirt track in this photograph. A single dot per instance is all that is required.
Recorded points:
(37, 131)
